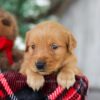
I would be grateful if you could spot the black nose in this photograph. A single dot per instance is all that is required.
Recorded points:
(40, 64)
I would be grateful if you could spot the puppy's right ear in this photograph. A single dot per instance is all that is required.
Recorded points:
(27, 41)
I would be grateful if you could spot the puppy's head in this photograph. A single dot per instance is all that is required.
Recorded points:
(48, 46)
(8, 25)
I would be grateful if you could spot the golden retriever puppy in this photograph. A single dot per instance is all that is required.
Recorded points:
(49, 49)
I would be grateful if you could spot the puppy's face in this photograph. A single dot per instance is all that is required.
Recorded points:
(48, 46)
(8, 26)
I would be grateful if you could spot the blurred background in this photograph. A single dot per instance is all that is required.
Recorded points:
(82, 17)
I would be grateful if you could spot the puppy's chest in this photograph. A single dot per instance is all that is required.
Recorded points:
(50, 84)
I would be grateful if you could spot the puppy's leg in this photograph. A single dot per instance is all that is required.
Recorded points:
(66, 77)
(34, 80)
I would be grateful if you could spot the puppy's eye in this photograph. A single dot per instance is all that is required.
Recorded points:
(33, 46)
(54, 46)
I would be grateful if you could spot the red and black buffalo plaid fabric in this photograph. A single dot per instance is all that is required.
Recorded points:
(13, 87)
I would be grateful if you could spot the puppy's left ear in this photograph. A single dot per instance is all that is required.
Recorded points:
(71, 45)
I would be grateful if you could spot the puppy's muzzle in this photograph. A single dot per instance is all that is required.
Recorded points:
(40, 65)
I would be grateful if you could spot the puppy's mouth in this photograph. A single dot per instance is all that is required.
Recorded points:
(42, 72)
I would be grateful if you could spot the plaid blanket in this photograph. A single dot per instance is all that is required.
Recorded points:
(13, 87)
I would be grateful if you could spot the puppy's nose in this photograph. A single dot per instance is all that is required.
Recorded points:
(40, 64)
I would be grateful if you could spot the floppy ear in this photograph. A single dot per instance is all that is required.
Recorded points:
(26, 41)
(71, 45)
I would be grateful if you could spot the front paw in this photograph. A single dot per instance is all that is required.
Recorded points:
(66, 80)
(35, 82)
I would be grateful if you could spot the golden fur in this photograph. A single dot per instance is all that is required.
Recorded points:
(11, 30)
(39, 42)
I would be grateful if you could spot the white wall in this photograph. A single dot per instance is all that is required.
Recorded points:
(83, 19)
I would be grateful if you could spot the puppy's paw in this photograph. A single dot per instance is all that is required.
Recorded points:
(66, 80)
(35, 82)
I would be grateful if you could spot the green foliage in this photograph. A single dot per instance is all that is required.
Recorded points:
(28, 11)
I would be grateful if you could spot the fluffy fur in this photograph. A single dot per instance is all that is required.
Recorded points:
(52, 43)
(8, 25)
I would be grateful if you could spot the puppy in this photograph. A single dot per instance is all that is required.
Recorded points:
(8, 25)
(49, 49)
